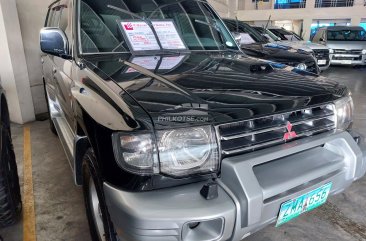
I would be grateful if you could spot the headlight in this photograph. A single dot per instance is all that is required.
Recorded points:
(344, 113)
(364, 51)
(188, 151)
(331, 51)
(177, 152)
(135, 153)
(302, 66)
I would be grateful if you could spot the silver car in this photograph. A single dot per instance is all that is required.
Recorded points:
(347, 44)
(287, 38)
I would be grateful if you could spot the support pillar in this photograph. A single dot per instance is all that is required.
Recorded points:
(13, 66)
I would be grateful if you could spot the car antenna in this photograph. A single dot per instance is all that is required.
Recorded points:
(237, 24)
(269, 19)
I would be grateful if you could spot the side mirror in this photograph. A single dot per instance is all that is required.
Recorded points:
(322, 40)
(237, 37)
(53, 41)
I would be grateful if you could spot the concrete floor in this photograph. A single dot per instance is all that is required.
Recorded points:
(59, 204)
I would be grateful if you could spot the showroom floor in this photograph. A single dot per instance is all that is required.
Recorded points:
(59, 204)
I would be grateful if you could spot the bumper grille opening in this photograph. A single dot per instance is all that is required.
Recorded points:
(322, 54)
(345, 51)
(206, 230)
(301, 187)
(359, 58)
(254, 134)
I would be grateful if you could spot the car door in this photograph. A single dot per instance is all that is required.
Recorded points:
(62, 68)
(48, 64)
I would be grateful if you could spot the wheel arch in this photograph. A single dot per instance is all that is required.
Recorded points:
(84, 139)
(4, 111)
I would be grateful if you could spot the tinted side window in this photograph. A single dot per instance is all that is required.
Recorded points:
(51, 14)
(55, 16)
(48, 18)
(65, 18)
(59, 16)
(317, 36)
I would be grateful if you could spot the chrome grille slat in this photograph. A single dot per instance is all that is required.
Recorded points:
(231, 152)
(348, 51)
(249, 135)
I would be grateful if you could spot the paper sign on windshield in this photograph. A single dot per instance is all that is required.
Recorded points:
(291, 37)
(148, 62)
(151, 62)
(140, 36)
(171, 62)
(168, 34)
(246, 39)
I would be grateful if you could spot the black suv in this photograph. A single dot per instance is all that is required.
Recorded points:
(256, 45)
(177, 135)
(10, 199)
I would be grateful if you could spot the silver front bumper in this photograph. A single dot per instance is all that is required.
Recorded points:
(251, 189)
(324, 67)
(333, 61)
(164, 215)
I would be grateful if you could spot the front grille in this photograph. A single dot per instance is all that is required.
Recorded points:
(347, 58)
(351, 51)
(321, 53)
(254, 134)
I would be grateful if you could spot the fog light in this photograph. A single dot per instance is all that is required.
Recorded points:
(204, 230)
(193, 225)
(302, 66)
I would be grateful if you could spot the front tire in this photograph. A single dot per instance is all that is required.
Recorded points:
(100, 224)
(10, 199)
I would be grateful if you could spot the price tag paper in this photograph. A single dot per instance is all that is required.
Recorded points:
(148, 62)
(246, 39)
(168, 35)
(140, 36)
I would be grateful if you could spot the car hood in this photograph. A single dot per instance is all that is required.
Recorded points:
(277, 52)
(348, 45)
(206, 88)
(296, 45)
(314, 45)
(306, 46)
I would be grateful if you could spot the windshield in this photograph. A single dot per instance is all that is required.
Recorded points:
(250, 34)
(347, 35)
(189, 25)
(285, 35)
(266, 33)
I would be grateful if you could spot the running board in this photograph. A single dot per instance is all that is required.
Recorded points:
(66, 137)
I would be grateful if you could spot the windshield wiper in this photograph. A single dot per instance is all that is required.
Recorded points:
(222, 39)
(146, 20)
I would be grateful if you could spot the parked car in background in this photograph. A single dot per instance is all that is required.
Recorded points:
(10, 198)
(256, 45)
(347, 44)
(176, 135)
(285, 37)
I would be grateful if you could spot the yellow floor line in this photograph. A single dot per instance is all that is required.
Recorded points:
(29, 222)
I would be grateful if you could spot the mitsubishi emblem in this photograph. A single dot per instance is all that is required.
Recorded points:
(289, 134)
